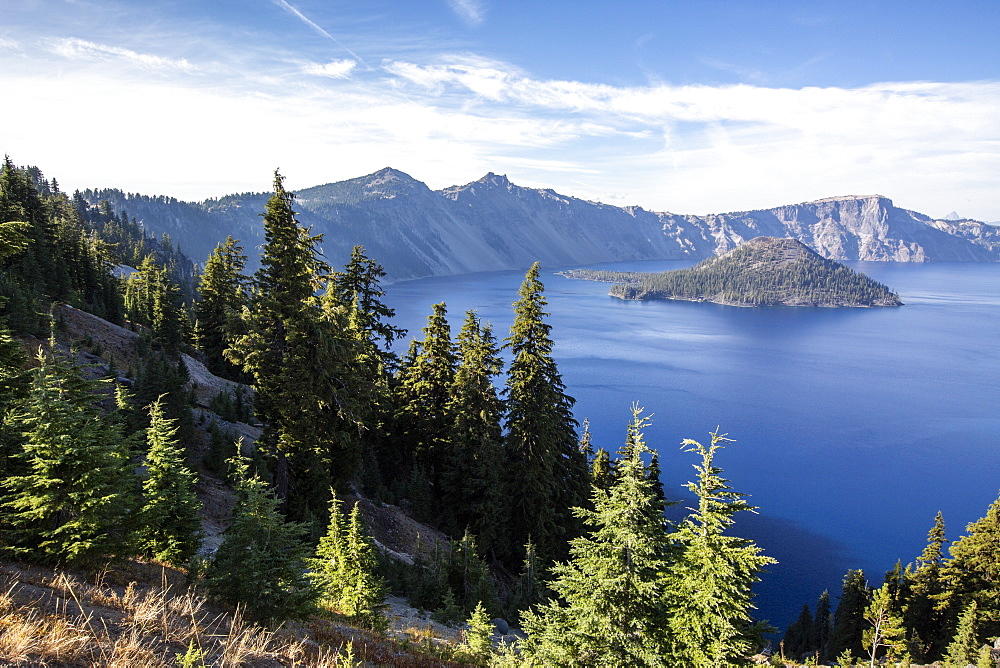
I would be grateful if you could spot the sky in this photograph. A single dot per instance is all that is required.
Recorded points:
(694, 106)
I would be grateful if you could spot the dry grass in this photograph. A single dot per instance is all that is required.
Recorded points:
(61, 619)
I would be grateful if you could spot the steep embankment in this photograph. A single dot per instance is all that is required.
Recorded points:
(492, 224)
(765, 271)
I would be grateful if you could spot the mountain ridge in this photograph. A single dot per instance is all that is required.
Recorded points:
(492, 224)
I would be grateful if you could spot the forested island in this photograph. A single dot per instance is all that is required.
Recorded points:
(222, 453)
(765, 271)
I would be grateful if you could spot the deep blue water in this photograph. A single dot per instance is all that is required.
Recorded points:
(853, 427)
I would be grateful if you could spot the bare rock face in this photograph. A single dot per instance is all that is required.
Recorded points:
(492, 224)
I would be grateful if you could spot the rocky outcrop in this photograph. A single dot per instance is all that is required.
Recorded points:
(492, 224)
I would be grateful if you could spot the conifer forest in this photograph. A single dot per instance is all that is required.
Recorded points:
(469, 433)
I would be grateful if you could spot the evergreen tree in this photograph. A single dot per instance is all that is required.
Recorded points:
(709, 586)
(153, 300)
(797, 641)
(973, 573)
(471, 482)
(359, 285)
(72, 501)
(609, 609)
(295, 349)
(547, 471)
(885, 626)
(171, 530)
(222, 295)
(602, 475)
(921, 616)
(423, 419)
(654, 474)
(528, 588)
(477, 638)
(819, 635)
(344, 570)
(964, 646)
(848, 620)
(261, 562)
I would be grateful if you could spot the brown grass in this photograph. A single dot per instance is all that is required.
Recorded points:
(64, 619)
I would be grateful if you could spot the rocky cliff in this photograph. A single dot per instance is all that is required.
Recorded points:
(492, 224)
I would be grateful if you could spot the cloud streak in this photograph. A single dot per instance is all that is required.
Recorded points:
(79, 49)
(312, 24)
(472, 12)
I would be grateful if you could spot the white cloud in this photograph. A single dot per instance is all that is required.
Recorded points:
(335, 69)
(930, 146)
(79, 49)
(8, 44)
(472, 12)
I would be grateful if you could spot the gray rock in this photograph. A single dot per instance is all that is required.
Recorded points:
(500, 626)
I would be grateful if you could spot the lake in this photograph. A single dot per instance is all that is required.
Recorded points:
(853, 427)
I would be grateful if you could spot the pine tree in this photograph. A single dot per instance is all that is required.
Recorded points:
(222, 294)
(359, 285)
(72, 502)
(964, 646)
(885, 626)
(261, 562)
(602, 475)
(819, 635)
(921, 616)
(848, 620)
(548, 473)
(609, 609)
(423, 420)
(477, 638)
(709, 587)
(973, 573)
(471, 482)
(344, 570)
(171, 529)
(796, 641)
(294, 346)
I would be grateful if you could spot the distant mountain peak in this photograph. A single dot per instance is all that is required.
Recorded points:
(953, 216)
(492, 179)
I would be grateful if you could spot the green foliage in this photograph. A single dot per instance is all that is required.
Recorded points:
(296, 348)
(754, 274)
(260, 565)
(471, 484)
(51, 256)
(610, 607)
(819, 635)
(964, 646)
(973, 572)
(921, 616)
(423, 420)
(709, 585)
(848, 620)
(547, 471)
(477, 637)
(344, 570)
(72, 502)
(359, 285)
(885, 626)
(222, 295)
(153, 300)
(171, 530)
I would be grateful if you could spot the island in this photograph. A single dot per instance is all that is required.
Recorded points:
(764, 271)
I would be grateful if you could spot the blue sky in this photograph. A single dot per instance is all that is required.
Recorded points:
(690, 107)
